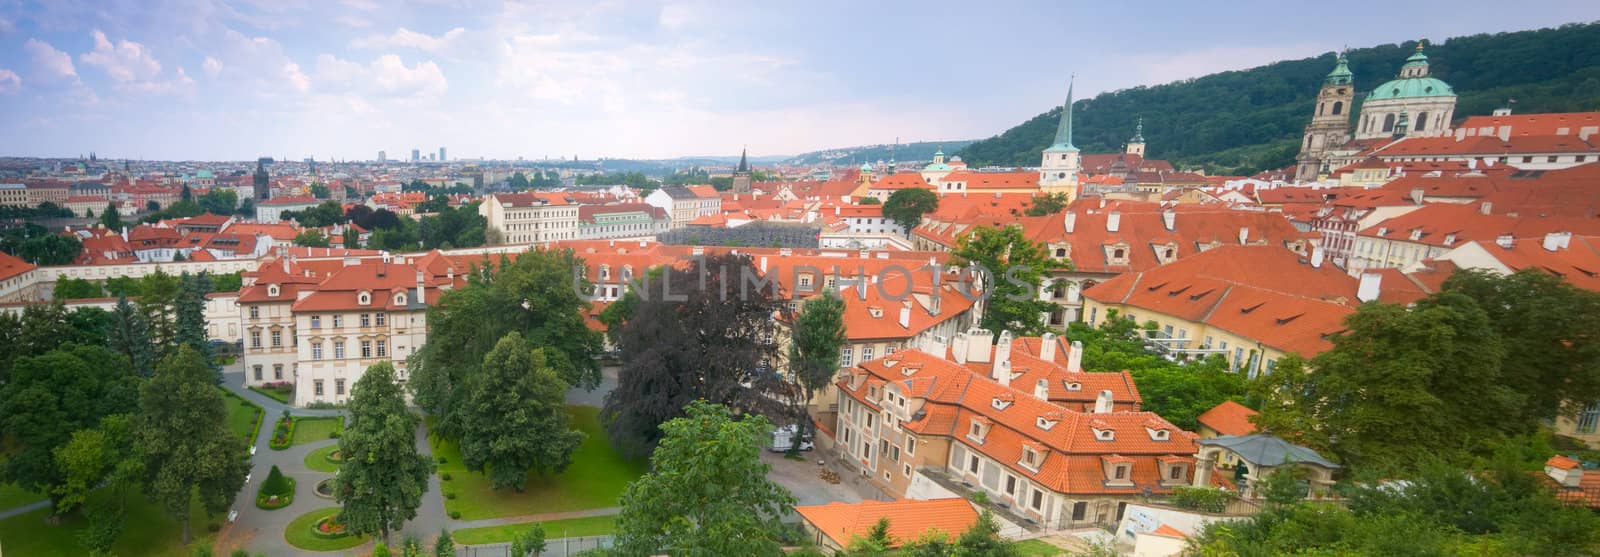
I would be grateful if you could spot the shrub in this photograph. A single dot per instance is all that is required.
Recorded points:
(445, 476)
(980, 497)
(450, 495)
(1200, 498)
(333, 435)
(443, 460)
(213, 527)
(455, 515)
(380, 550)
(282, 433)
(277, 483)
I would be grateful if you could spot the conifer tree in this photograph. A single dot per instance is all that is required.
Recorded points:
(130, 335)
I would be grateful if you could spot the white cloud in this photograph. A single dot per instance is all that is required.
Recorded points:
(296, 78)
(9, 81)
(387, 76)
(406, 38)
(356, 22)
(676, 16)
(127, 62)
(53, 63)
(212, 67)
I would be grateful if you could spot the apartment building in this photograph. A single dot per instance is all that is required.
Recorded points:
(531, 217)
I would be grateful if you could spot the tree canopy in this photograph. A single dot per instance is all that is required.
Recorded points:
(183, 431)
(1018, 267)
(50, 396)
(381, 477)
(515, 420)
(906, 206)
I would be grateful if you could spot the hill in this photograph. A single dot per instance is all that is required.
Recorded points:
(1240, 122)
(920, 151)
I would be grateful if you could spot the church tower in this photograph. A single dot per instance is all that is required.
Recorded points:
(1330, 123)
(1058, 167)
(1136, 145)
(741, 174)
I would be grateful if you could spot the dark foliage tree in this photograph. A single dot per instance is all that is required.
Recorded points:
(110, 218)
(905, 207)
(1048, 204)
(189, 316)
(130, 336)
(219, 201)
(36, 245)
(312, 239)
(1177, 392)
(382, 477)
(707, 492)
(460, 227)
(515, 419)
(699, 333)
(818, 335)
(50, 396)
(1017, 267)
(183, 431)
(247, 208)
(756, 234)
(328, 213)
(73, 289)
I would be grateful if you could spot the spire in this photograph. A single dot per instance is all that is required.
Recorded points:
(1138, 131)
(1341, 72)
(1064, 130)
(744, 163)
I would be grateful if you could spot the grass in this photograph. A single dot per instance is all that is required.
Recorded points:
(12, 496)
(298, 533)
(310, 430)
(150, 532)
(1037, 548)
(318, 459)
(280, 395)
(595, 480)
(244, 417)
(569, 528)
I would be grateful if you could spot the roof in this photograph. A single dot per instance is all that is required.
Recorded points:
(1229, 418)
(1411, 87)
(1559, 123)
(1267, 450)
(908, 518)
(12, 266)
(1562, 462)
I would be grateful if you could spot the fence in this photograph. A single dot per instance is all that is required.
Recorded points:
(559, 547)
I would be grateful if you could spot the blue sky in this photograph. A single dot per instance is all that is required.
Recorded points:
(236, 79)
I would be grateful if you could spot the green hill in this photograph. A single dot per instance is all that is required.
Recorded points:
(917, 152)
(1240, 122)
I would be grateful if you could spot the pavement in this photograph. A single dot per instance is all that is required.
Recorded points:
(803, 479)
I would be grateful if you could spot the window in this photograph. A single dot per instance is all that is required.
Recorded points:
(911, 445)
(1175, 473)
(277, 338)
(972, 464)
(1038, 500)
(1119, 472)
(380, 319)
(1388, 123)
(277, 372)
(316, 351)
(1422, 122)
(1337, 106)
(366, 321)
(316, 387)
(846, 356)
(1527, 159)
(866, 354)
(338, 349)
(258, 372)
(383, 348)
(1589, 420)
(1011, 485)
(366, 349)
(338, 321)
(255, 312)
(255, 339)
(1080, 510)
(338, 386)
(1551, 158)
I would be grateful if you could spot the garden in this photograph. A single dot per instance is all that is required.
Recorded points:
(595, 480)
(553, 529)
(326, 459)
(320, 530)
(290, 431)
(276, 492)
(281, 391)
(244, 417)
(148, 532)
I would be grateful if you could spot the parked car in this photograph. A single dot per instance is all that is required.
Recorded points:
(783, 440)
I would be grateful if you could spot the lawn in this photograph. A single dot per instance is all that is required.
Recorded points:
(1037, 548)
(311, 430)
(569, 528)
(280, 394)
(298, 533)
(12, 496)
(318, 459)
(595, 480)
(149, 532)
(244, 417)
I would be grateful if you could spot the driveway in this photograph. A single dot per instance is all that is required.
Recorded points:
(803, 479)
(596, 397)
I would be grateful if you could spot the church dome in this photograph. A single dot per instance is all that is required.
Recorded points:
(1411, 88)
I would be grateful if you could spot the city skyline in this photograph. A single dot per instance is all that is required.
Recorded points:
(233, 81)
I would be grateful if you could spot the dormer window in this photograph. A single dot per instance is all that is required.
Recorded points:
(400, 299)
(1032, 457)
(364, 298)
(1074, 386)
(1120, 472)
(1158, 434)
(1001, 403)
(1102, 431)
(978, 429)
(875, 311)
(272, 290)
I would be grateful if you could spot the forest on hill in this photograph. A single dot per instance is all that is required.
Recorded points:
(918, 152)
(1241, 122)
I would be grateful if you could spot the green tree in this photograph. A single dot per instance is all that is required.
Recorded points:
(870, 201)
(219, 201)
(104, 456)
(382, 478)
(814, 348)
(707, 493)
(247, 208)
(932, 543)
(1049, 204)
(320, 191)
(983, 540)
(130, 335)
(874, 543)
(528, 542)
(351, 238)
(73, 289)
(49, 397)
(1180, 393)
(188, 448)
(110, 218)
(328, 213)
(311, 238)
(905, 207)
(516, 418)
(444, 546)
(189, 316)
(230, 282)
(158, 293)
(1017, 268)
(37, 245)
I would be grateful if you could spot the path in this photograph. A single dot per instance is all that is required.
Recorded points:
(531, 518)
(24, 509)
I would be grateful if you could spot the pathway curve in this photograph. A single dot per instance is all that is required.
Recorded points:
(24, 509)
(528, 519)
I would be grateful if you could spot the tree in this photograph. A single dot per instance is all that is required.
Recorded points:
(870, 201)
(1180, 393)
(110, 218)
(905, 207)
(103, 458)
(49, 397)
(707, 492)
(328, 213)
(35, 244)
(73, 289)
(518, 182)
(351, 238)
(983, 540)
(219, 201)
(158, 293)
(130, 335)
(516, 418)
(188, 448)
(530, 541)
(1398, 383)
(230, 282)
(814, 349)
(311, 238)
(320, 191)
(445, 546)
(152, 205)
(713, 344)
(382, 478)
(1017, 268)
(875, 542)
(247, 208)
(189, 312)
(932, 543)
(1049, 204)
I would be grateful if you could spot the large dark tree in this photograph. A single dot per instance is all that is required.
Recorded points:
(905, 207)
(50, 396)
(130, 335)
(818, 335)
(189, 312)
(382, 478)
(183, 431)
(516, 418)
(697, 333)
(1018, 268)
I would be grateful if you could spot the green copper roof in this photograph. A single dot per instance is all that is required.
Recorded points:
(1138, 132)
(1064, 129)
(1341, 72)
(1417, 58)
(1411, 87)
(866, 167)
(936, 166)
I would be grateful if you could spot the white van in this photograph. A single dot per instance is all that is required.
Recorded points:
(783, 440)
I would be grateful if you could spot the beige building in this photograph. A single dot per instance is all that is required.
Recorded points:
(531, 217)
(686, 203)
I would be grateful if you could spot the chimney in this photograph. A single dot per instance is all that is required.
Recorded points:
(1047, 347)
(979, 344)
(1169, 219)
(905, 315)
(1417, 195)
(959, 348)
(1075, 358)
(1316, 257)
(1505, 241)
(1485, 208)
(1071, 221)
(1102, 403)
(1002, 358)
(1244, 235)
(285, 261)
(763, 264)
(1556, 241)
(1369, 287)
(1113, 221)
(1041, 389)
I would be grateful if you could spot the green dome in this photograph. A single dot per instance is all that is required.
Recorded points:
(1410, 88)
(1341, 73)
(866, 167)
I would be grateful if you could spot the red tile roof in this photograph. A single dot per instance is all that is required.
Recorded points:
(1229, 418)
(12, 266)
(908, 518)
(1559, 123)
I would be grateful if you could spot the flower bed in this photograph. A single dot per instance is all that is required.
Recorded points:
(275, 502)
(276, 492)
(282, 433)
(329, 528)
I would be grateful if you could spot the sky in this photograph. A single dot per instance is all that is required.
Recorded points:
(343, 79)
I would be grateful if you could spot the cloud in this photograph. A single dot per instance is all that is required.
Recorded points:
(406, 38)
(53, 63)
(127, 62)
(9, 81)
(677, 16)
(387, 76)
(353, 21)
(297, 79)
(212, 67)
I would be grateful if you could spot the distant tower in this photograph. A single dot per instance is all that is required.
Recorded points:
(383, 157)
(262, 184)
(741, 174)
(1136, 144)
(1058, 167)
(441, 154)
(892, 146)
(1330, 124)
(416, 155)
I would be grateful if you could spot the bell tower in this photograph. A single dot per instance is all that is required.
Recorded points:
(1136, 144)
(1058, 165)
(1330, 122)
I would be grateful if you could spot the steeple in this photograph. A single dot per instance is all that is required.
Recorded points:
(1341, 72)
(1064, 129)
(741, 173)
(744, 162)
(892, 147)
(1417, 64)
(1136, 144)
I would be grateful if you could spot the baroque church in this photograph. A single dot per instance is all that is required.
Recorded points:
(1411, 104)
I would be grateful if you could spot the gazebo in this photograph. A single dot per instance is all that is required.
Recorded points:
(1259, 455)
